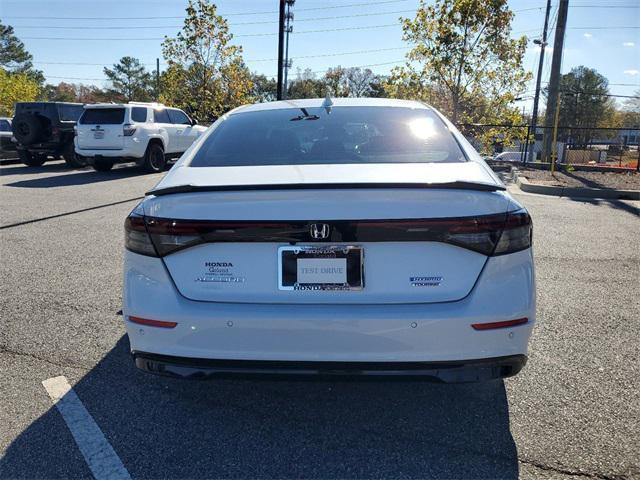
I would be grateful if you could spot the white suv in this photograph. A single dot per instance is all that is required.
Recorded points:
(147, 133)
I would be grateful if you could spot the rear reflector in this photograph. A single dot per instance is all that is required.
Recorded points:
(152, 323)
(494, 325)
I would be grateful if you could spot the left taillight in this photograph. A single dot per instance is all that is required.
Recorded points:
(136, 238)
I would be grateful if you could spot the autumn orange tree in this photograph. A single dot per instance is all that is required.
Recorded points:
(206, 74)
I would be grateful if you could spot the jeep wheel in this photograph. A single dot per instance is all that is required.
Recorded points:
(102, 164)
(31, 160)
(154, 159)
(70, 156)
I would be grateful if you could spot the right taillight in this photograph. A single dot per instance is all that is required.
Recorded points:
(517, 233)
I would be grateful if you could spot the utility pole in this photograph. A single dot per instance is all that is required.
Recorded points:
(157, 79)
(554, 79)
(536, 98)
(280, 49)
(287, 62)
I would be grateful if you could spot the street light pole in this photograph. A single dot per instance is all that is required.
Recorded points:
(536, 98)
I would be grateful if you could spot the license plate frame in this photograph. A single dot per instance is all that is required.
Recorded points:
(289, 255)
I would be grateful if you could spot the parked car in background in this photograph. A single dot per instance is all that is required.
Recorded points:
(46, 129)
(6, 136)
(345, 236)
(508, 157)
(146, 133)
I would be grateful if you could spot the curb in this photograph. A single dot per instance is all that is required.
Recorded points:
(526, 186)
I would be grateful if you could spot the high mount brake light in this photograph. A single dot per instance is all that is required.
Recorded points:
(498, 234)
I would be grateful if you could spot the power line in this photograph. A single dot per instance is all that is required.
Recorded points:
(322, 55)
(327, 7)
(262, 22)
(367, 27)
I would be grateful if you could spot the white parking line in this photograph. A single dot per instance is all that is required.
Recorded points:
(96, 450)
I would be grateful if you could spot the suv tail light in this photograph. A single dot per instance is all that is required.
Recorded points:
(498, 234)
(128, 129)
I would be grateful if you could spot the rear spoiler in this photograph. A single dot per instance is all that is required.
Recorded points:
(460, 185)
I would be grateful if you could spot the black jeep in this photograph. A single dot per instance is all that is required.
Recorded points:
(45, 129)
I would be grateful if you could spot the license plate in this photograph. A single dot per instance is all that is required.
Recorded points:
(334, 267)
(98, 134)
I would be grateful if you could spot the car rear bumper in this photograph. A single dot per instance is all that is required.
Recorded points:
(362, 333)
(447, 372)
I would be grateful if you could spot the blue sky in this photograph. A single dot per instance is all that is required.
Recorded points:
(590, 41)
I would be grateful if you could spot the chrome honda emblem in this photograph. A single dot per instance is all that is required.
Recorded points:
(319, 231)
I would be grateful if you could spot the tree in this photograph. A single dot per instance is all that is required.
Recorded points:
(584, 104)
(130, 80)
(306, 85)
(14, 57)
(264, 89)
(206, 74)
(76, 92)
(462, 49)
(16, 87)
(350, 82)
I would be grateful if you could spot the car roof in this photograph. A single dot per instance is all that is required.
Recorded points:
(124, 105)
(336, 102)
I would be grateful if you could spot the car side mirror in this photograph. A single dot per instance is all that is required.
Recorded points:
(194, 121)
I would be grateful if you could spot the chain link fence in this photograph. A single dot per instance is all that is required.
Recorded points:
(575, 146)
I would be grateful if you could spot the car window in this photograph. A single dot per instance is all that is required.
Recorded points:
(102, 116)
(343, 135)
(5, 126)
(70, 113)
(179, 117)
(139, 114)
(161, 116)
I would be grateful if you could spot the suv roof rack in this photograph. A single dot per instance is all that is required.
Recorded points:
(151, 104)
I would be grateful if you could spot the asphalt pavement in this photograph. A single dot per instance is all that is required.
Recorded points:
(573, 411)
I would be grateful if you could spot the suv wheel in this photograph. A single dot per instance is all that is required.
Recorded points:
(154, 159)
(102, 164)
(31, 160)
(73, 160)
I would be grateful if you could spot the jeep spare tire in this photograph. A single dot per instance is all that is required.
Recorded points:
(27, 128)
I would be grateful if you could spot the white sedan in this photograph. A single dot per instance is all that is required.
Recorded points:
(331, 237)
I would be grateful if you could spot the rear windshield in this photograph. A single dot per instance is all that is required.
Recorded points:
(5, 126)
(102, 116)
(344, 135)
(70, 113)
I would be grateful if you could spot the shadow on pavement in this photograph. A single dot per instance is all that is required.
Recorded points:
(617, 204)
(49, 167)
(276, 429)
(78, 178)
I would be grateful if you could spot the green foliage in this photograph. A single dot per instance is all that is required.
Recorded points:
(306, 85)
(14, 57)
(206, 74)
(16, 87)
(264, 89)
(464, 62)
(130, 81)
(584, 104)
